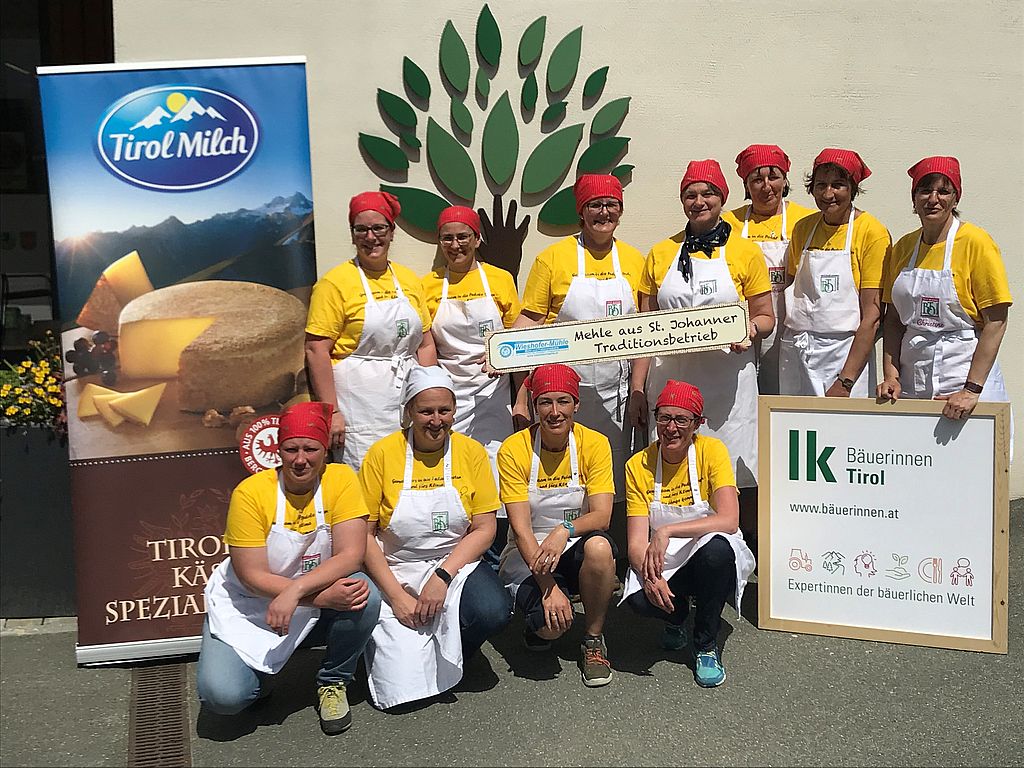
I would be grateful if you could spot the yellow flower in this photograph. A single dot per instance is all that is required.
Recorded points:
(53, 388)
(5, 390)
(18, 390)
(55, 401)
(38, 391)
(24, 400)
(11, 410)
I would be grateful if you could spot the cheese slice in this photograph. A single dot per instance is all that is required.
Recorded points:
(102, 402)
(122, 281)
(139, 407)
(86, 406)
(150, 349)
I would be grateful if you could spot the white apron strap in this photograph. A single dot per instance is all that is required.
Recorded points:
(691, 466)
(282, 503)
(407, 481)
(947, 256)
(483, 281)
(746, 221)
(574, 464)
(366, 285)
(581, 259)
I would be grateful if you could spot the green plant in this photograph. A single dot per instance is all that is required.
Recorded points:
(32, 392)
(491, 129)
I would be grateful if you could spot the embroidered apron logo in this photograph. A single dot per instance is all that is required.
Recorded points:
(929, 306)
(776, 275)
(570, 514)
(613, 308)
(402, 326)
(707, 287)
(309, 562)
(439, 521)
(829, 283)
(485, 327)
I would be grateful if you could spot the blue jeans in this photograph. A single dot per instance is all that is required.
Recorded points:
(227, 685)
(485, 609)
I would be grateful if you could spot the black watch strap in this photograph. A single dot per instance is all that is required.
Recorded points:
(846, 383)
(974, 389)
(443, 575)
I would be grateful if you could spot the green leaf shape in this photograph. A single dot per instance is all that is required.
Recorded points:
(397, 108)
(565, 61)
(620, 172)
(595, 83)
(415, 78)
(461, 117)
(501, 141)
(419, 207)
(551, 159)
(529, 97)
(409, 139)
(450, 161)
(532, 42)
(454, 58)
(609, 115)
(601, 154)
(560, 210)
(483, 84)
(488, 37)
(554, 113)
(385, 153)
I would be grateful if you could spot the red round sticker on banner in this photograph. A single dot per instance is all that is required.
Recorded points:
(258, 446)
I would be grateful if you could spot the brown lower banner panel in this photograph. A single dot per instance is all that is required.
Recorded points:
(148, 533)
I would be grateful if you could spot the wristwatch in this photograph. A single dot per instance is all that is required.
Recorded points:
(974, 389)
(569, 527)
(443, 575)
(846, 383)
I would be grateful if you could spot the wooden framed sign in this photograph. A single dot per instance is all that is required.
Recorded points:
(884, 521)
(619, 337)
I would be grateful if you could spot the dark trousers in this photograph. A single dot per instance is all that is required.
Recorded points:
(710, 578)
(485, 609)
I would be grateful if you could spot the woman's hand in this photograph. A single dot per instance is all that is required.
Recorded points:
(743, 346)
(346, 594)
(550, 551)
(636, 409)
(404, 608)
(654, 558)
(959, 405)
(837, 390)
(659, 594)
(557, 610)
(337, 431)
(431, 599)
(281, 609)
(889, 389)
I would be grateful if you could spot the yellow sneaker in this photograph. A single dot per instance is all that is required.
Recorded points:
(332, 704)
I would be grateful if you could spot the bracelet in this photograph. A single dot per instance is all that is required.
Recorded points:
(974, 389)
(569, 527)
(443, 575)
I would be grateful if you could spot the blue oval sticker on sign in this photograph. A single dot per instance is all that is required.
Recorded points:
(177, 138)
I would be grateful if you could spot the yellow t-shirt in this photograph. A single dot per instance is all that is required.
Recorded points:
(714, 471)
(337, 307)
(383, 472)
(555, 267)
(770, 228)
(467, 285)
(515, 456)
(870, 246)
(979, 274)
(744, 259)
(253, 506)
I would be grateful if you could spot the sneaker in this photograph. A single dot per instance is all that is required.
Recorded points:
(594, 664)
(335, 716)
(534, 642)
(709, 672)
(673, 638)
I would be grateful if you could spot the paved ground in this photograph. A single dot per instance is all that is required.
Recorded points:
(790, 700)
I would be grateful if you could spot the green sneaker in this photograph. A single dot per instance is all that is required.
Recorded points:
(332, 704)
(709, 672)
(673, 638)
(594, 664)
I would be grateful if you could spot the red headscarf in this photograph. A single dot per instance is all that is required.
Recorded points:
(761, 155)
(384, 203)
(459, 214)
(947, 166)
(846, 159)
(682, 395)
(554, 377)
(708, 171)
(312, 420)
(590, 186)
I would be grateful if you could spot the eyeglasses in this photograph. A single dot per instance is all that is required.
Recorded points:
(612, 206)
(683, 422)
(378, 229)
(462, 238)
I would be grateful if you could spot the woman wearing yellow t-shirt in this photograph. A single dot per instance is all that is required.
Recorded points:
(432, 499)
(833, 304)
(767, 220)
(682, 517)
(708, 263)
(367, 324)
(949, 299)
(588, 277)
(297, 537)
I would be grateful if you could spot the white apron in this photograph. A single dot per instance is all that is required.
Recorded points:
(727, 380)
(822, 315)
(483, 407)
(404, 664)
(368, 383)
(604, 387)
(768, 348)
(239, 619)
(940, 337)
(549, 508)
(681, 550)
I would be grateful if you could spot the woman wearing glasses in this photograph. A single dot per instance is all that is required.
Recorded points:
(682, 517)
(367, 324)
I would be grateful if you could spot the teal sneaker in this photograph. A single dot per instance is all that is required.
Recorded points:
(673, 638)
(709, 672)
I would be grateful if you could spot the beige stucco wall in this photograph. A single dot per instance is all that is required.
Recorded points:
(896, 81)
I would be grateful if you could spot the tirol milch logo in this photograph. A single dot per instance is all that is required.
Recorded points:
(177, 138)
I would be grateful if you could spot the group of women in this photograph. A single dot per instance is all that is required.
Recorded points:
(408, 401)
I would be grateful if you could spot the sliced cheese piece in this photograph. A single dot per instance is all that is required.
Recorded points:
(128, 277)
(86, 406)
(150, 349)
(139, 407)
(122, 281)
(102, 402)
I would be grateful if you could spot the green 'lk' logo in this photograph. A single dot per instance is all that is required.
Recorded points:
(491, 130)
(815, 461)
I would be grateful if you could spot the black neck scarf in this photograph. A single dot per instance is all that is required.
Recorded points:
(715, 238)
